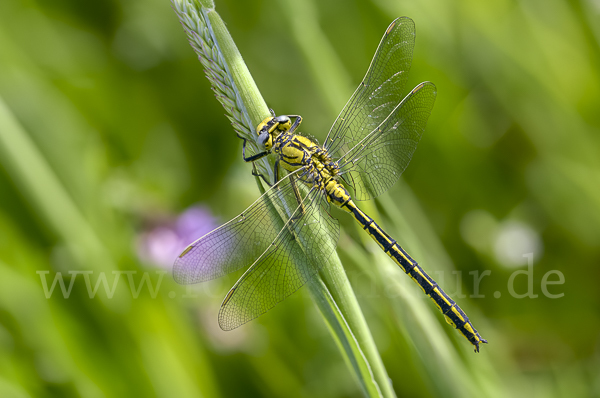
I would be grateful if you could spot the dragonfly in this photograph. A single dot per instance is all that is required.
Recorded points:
(288, 233)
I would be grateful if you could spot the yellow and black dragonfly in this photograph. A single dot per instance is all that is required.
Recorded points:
(287, 233)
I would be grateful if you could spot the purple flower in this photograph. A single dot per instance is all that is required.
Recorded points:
(194, 222)
(163, 243)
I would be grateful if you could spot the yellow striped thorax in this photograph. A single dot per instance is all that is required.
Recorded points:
(295, 151)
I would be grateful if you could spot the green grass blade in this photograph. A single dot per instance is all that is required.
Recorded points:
(340, 327)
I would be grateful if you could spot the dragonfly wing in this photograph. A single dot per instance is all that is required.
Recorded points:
(375, 163)
(237, 243)
(284, 267)
(379, 92)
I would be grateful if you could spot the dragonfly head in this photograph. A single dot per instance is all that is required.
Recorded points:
(270, 128)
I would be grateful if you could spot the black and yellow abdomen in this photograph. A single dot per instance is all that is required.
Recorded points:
(452, 312)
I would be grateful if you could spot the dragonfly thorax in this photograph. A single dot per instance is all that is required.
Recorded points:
(296, 151)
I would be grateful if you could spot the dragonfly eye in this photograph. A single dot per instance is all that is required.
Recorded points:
(283, 123)
(281, 119)
(263, 137)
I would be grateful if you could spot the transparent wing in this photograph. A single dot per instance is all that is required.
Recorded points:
(284, 267)
(376, 162)
(379, 92)
(239, 242)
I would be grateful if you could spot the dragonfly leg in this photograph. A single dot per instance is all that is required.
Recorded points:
(296, 122)
(276, 170)
(298, 197)
(254, 157)
(257, 174)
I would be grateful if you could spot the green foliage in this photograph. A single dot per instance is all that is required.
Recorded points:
(108, 128)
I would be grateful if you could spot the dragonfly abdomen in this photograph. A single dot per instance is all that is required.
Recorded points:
(452, 312)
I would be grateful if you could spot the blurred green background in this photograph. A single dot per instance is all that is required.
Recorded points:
(109, 131)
